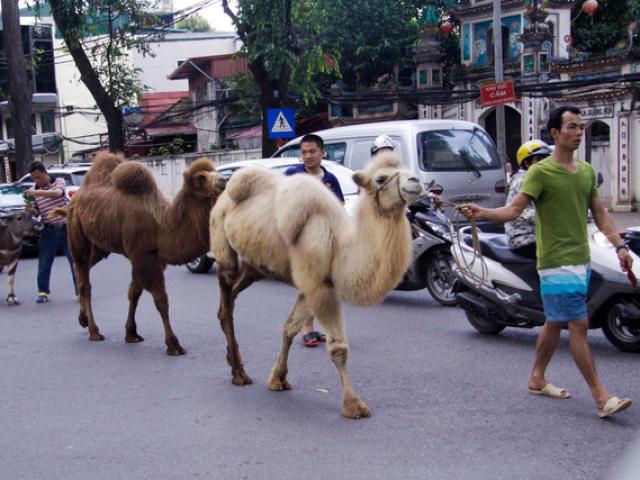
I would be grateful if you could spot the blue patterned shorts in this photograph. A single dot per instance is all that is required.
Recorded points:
(564, 292)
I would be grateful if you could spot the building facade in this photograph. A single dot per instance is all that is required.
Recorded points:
(37, 41)
(210, 80)
(79, 124)
(537, 50)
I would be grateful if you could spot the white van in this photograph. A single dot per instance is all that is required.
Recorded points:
(459, 156)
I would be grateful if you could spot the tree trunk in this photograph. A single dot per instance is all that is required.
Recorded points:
(269, 145)
(113, 116)
(20, 85)
(267, 100)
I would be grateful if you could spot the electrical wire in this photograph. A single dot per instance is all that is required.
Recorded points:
(156, 31)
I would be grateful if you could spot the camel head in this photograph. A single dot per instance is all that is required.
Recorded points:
(202, 180)
(388, 186)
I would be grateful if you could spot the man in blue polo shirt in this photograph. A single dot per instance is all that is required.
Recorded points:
(312, 153)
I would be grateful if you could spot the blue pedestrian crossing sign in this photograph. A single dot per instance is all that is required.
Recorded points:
(281, 122)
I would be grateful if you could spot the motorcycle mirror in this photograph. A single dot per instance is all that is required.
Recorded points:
(429, 185)
(600, 179)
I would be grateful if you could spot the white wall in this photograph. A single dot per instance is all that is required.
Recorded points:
(168, 170)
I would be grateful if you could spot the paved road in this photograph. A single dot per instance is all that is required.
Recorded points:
(447, 402)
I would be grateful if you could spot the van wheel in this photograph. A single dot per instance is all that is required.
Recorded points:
(200, 265)
(621, 332)
(483, 326)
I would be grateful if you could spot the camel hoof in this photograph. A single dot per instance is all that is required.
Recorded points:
(241, 379)
(96, 337)
(12, 300)
(175, 351)
(277, 385)
(355, 409)
(133, 338)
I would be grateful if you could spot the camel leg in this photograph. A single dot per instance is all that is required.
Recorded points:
(131, 329)
(150, 273)
(298, 316)
(84, 257)
(86, 318)
(232, 282)
(325, 305)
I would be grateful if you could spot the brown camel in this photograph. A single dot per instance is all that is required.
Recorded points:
(120, 209)
(295, 230)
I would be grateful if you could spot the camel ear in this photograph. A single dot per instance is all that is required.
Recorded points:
(360, 179)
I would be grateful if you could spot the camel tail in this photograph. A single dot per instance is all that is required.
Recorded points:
(133, 178)
(247, 182)
(59, 212)
(100, 171)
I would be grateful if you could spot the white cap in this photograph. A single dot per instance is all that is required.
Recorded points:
(381, 141)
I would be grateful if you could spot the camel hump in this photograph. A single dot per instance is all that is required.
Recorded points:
(103, 164)
(133, 178)
(249, 181)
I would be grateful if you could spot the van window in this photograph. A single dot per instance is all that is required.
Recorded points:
(361, 154)
(292, 152)
(335, 152)
(456, 150)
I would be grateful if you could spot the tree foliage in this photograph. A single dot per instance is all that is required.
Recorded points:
(195, 23)
(373, 38)
(606, 28)
(285, 46)
(99, 36)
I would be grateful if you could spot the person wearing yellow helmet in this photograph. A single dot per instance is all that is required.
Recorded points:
(521, 232)
(531, 152)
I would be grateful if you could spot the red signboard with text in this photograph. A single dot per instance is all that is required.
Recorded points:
(493, 94)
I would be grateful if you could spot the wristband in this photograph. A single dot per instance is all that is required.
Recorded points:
(621, 247)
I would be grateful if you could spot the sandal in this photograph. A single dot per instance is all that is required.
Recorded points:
(310, 339)
(320, 337)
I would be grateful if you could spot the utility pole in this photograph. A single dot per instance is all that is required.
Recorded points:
(499, 74)
(20, 85)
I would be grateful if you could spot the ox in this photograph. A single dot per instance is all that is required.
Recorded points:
(13, 229)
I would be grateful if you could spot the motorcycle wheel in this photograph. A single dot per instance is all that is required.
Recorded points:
(483, 326)
(440, 279)
(624, 337)
(200, 265)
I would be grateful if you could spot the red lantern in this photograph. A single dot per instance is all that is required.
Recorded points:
(589, 7)
(446, 28)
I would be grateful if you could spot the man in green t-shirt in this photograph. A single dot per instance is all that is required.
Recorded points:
(563, 190)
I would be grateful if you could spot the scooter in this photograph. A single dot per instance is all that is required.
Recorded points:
(431, 265)
(499, 289)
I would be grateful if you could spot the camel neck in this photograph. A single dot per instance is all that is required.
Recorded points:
(184, 235)
(378, 253)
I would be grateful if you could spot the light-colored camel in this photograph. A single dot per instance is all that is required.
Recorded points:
(295, 230)
(120, 209)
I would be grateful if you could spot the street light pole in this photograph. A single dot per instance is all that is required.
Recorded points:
(499, 75)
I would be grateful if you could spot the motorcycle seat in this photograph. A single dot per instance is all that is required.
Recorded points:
(496, 247)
